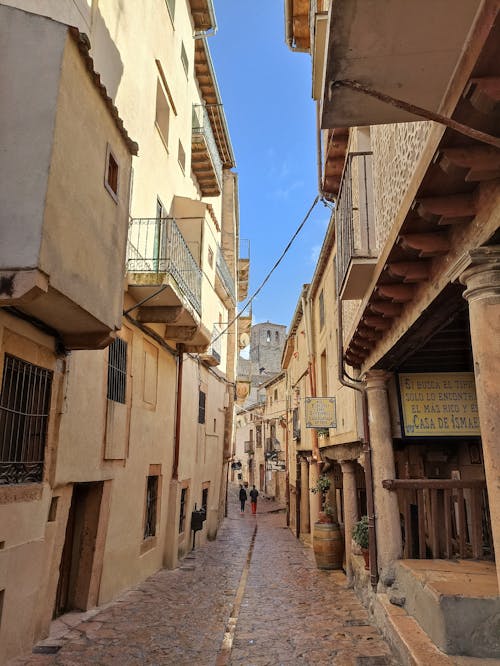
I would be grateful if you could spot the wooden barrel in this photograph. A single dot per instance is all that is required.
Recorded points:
(328, 546)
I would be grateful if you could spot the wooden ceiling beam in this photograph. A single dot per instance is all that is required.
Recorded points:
(409, 271)
(437, 209)
(427, 245)
(397, 293)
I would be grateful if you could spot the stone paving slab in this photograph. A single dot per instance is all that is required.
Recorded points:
(235, 604)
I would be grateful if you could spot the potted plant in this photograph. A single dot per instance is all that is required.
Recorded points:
(328, 545)
(360, 537)
(323, 432)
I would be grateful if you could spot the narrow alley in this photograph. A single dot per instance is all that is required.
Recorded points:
(253, 596)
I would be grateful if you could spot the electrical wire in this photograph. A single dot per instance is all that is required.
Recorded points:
(275, 266)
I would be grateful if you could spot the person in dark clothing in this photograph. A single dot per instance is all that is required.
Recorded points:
(243, 498)
(254, 493)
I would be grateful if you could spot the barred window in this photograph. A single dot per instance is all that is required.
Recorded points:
(117, 371)
(151, 504)
(202, 397)
(24, 412)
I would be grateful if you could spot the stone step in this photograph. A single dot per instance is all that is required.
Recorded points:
(455, 603)
(412, 644)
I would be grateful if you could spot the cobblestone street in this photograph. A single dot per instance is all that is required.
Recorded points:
(254, 596)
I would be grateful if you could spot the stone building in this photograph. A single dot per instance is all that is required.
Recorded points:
(119, 273)
(403, 308)
(264, 363)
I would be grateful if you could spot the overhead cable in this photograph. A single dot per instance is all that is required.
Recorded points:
(275, 266)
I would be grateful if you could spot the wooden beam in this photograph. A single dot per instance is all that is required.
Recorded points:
(483, 93)
(438, 209)
(398, 293)
(385, 308)
(409, 271)
(378, 323)
(427, 245)
(367, 333)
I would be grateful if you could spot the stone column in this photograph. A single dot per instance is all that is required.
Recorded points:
(482, 279)
(314, 505)
(387, 520)
(305, 525)
(350, 497)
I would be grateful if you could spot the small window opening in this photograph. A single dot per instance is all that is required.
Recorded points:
(111, 181)
(151, 504)
(182, 510)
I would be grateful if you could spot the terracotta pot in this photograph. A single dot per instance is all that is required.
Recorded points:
(366, 557)
(328, 546)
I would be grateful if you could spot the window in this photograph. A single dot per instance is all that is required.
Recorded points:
(117, 371)
(250, 434)
(111, 178)
(204, 499)
(182, 510)
(184, 58)
(275, 394)
(321, 310)
(268, 336)
(202, 397)
(258, 436)
(24, 413)
(171, 8)
(181, 156)
(211, 264)
(151, 504)
(162, 117)
(277, 337)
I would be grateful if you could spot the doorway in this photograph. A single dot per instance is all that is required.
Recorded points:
(81, 565)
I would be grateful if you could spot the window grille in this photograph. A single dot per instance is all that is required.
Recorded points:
(24, 412)
(182, 510)
(151, 504)
(202, 398)
(117, 371)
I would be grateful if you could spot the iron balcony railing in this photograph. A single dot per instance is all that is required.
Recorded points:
(157, 246)
(225, 274)
(203, 127)
(354, 217)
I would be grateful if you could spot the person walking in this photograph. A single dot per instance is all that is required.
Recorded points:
(243, 498)
(254, 493)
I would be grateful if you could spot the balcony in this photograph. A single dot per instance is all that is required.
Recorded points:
(212, 356)
(205, 160)
(203, 15)
(408, 50)
(224, 282)
(356, 243)
(165, 280)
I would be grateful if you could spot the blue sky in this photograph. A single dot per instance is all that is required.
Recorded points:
(266, 90)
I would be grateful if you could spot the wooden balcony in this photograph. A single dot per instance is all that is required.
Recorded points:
(206, 163)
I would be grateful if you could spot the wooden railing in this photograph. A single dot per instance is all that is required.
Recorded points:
(443, 518)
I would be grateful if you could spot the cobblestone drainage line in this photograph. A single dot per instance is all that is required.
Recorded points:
(227, 641)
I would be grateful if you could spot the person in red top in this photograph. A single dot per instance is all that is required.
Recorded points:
(254, 493)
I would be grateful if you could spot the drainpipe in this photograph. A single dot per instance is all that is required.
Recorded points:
(178, 412)
(287, 473)
(357, 385)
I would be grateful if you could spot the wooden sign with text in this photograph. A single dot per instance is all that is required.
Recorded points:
(442, 404)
